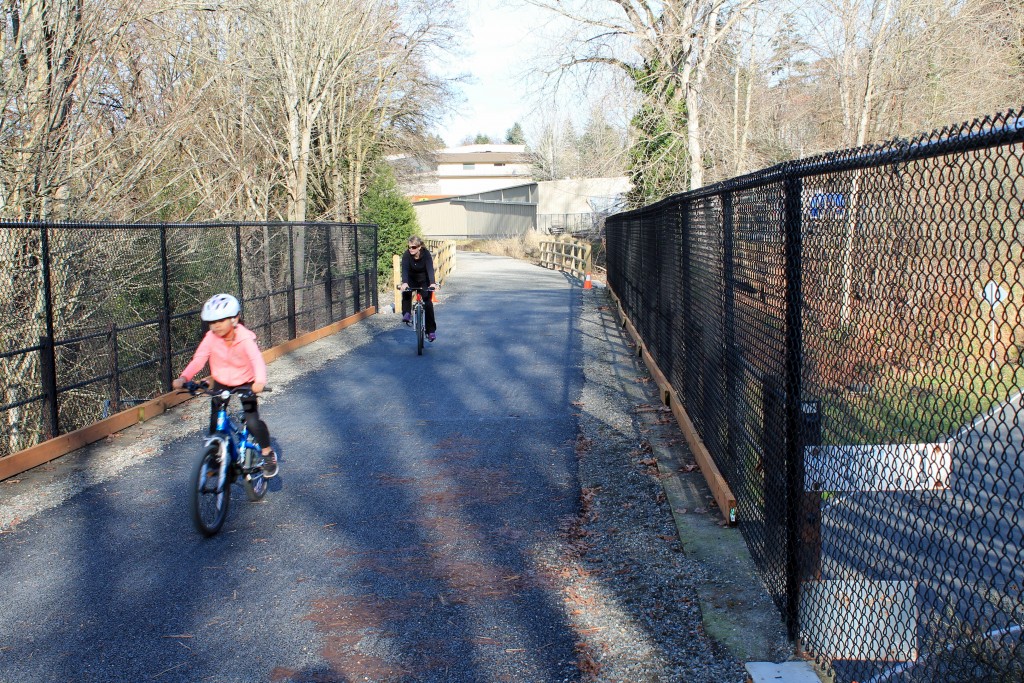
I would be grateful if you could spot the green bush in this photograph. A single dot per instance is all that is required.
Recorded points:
(385, 205)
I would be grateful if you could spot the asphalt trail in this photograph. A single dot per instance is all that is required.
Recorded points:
(399, 542)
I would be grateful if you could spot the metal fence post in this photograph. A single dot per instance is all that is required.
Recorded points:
(686, 274)
(165, 315)
(115, 372)
(356, 294)
(238, 262)
(291, 283)
(164, 342)
(376, 260)
(732, 364)
(328, 284)
(48, 379)
(47, 351)
(793, 187)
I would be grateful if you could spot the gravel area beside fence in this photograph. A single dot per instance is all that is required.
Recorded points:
(630, 592)
(630, 587)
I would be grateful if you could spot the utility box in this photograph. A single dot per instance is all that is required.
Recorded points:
(810, 423)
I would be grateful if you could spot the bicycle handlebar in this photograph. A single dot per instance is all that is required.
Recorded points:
(417, 289)
(196, 388)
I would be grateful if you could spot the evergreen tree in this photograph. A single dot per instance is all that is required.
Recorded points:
(385, 205)
(482, 139)
(515, 135)
(658, 159)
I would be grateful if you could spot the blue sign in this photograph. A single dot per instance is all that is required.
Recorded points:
(828, 205)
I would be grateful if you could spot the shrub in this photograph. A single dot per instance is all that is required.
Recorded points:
(385, 205)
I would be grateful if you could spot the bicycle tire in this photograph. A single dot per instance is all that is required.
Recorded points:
(420, 331)
(209, 507)
(255, 483)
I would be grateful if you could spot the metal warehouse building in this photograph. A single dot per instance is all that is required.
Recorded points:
(497, 213)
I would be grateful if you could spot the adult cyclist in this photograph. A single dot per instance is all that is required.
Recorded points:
(418, 272)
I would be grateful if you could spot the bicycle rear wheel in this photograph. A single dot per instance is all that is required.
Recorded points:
(209, 502)
(255, 483)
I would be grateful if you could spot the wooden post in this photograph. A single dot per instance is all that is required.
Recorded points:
(396, 269)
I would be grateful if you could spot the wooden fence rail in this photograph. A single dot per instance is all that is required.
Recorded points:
(568, 255)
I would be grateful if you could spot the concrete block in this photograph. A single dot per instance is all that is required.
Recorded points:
(786, 672)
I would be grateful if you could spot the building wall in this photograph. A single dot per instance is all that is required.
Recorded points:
(503, 212)
(440, 219)
(478, 168)
(471, 185)
(582, 195)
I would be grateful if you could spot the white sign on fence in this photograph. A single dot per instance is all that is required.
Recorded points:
(994, 294)
(881, 467)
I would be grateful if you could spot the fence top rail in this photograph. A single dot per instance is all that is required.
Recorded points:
(200, 225)
(990, 131)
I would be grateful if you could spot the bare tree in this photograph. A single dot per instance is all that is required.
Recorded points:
(664, 49)
(308, 49)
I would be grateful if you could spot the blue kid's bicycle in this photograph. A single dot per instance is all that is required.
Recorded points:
(229, 454)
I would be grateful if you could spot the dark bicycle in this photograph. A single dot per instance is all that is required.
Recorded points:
(419, 315)
(230, 454)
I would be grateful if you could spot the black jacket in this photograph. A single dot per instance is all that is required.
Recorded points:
(418, 272)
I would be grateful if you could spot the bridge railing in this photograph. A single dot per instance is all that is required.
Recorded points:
(96, 320)
(843, 335)
(567, 255)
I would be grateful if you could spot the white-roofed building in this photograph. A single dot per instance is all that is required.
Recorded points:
(471, 169)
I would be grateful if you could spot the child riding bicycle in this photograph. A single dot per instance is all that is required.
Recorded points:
(235, 361)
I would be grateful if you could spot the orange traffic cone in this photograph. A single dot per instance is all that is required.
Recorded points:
(587, 283)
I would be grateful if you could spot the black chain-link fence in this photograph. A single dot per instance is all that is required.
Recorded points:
(96, 318)
(845, 332)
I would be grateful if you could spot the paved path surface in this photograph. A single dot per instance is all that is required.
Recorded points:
(400, 540)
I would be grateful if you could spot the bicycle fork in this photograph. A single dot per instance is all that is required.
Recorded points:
(222, 450)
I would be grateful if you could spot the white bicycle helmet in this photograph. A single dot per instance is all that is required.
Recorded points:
(220, 306)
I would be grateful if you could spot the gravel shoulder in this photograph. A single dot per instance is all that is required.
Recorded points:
(655, 587)
(650, 529)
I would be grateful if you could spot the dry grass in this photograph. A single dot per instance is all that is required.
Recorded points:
(525, 247)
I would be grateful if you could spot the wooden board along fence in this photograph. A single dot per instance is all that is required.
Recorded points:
(567, 255)
(723, 495)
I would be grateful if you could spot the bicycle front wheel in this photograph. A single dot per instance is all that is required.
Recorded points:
(420, 331)
(209, 501)
(254, 482)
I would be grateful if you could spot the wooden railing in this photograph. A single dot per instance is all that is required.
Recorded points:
(568, 255)
(443, 253)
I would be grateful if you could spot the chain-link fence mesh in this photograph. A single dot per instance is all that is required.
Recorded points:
(96, 318)
(845, 333)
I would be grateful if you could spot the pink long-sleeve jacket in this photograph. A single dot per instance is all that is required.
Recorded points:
(231, 363)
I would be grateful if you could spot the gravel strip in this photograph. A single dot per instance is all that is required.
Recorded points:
(628, 586)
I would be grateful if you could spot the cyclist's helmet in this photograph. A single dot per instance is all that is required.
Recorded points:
(220, 306)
